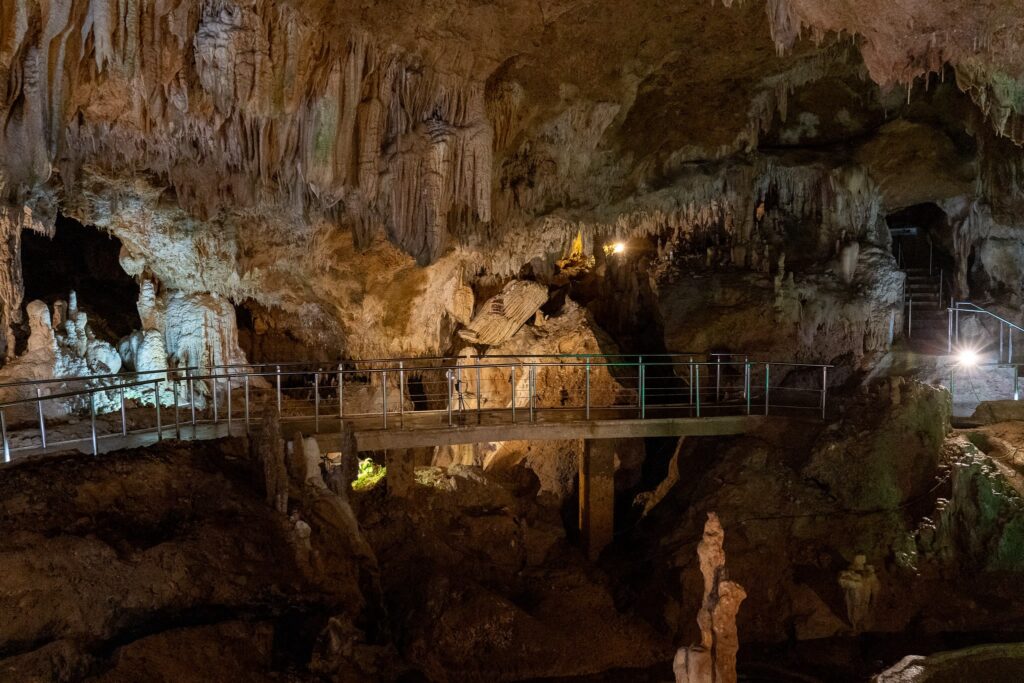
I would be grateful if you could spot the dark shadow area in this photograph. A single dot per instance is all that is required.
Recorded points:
(83, 259)
(922, 238)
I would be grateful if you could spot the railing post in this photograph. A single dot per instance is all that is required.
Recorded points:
(1009, 355)
(228, 387)
(177, 419)
(691, 380)
(277, 374)
(586, 395)
(316, 401)
(698, 383)
(479, 389)
(213, 388)
(3, 430)
(824, 388)
(42, 421)
(460, 390)
(512, 380)
(956, 325)
(124, 414)
(533, 390)
(191, 398)
(247, 403)
(92, 421)
(156, 403)
(384, 399)
(718, 379)
(451, 379)
(341, 391)
(401, 394)
(949, 332)
(643, 390)
(767, 384)
(746, 383)
(942, 279)
(1000, 341)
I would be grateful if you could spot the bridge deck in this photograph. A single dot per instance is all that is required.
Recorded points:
(427, 429)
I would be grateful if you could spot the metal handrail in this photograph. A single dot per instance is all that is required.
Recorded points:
(725, 394)
(185, 370)
(953, 327)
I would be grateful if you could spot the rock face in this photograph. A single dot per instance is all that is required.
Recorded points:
(113, 567)
(325, 160)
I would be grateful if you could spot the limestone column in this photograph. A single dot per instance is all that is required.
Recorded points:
(597, 495)
(401, 475)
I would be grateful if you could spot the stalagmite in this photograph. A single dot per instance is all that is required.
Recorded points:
(860, 587)
(714, 660)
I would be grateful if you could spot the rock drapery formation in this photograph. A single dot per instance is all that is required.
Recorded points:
(223, 142)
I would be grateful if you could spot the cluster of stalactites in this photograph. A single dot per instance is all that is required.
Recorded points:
(230, 103)
(728, 209)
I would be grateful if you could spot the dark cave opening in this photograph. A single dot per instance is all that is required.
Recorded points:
(83, 259)
(922, 238)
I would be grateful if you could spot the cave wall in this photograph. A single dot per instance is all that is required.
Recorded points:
(327, 160)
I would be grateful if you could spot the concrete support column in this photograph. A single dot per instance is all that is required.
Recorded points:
(597, 494)
(401, 476)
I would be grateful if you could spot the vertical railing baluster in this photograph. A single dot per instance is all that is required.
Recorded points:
(156, 402)
(124, 414)
(228, 387)
(92, 422)
(586, 400)
(384, 399)
(512, 380)
(246, 403)
(213, 385)
(695, 372)
(401, 394)
(277, 374)
(42, 420)
(177, 419)
(533, 389)
(643, 390)
(191, 398)
(767, 384)
(316, 401)
(3, 432)
(746, 383)
(824, 388)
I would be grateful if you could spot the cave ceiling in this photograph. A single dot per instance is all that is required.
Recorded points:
(310, 155)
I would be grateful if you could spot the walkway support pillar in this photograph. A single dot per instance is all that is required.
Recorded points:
(597, 494)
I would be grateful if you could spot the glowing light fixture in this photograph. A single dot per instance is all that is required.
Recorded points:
(968, 358)
(614, 248)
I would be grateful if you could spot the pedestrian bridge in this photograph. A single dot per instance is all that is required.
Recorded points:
(406, 403)
(395, 405)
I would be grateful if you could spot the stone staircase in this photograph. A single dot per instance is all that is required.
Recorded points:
(926, 320)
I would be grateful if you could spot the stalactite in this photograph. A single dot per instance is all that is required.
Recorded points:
(314, 127)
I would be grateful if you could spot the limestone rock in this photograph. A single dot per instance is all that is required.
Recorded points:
(714, 660)
(860, 587)
(502, 315)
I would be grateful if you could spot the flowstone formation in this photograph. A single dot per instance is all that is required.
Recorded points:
(714, 660)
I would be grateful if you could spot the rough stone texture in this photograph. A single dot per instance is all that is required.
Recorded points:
(306, 156)
(117, 566)
(715, 658)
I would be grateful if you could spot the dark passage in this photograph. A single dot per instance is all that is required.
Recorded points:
(82, 259)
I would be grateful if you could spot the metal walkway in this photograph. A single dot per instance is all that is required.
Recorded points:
(415, 402)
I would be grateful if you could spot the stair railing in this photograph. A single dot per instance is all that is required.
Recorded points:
(1006, 328)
